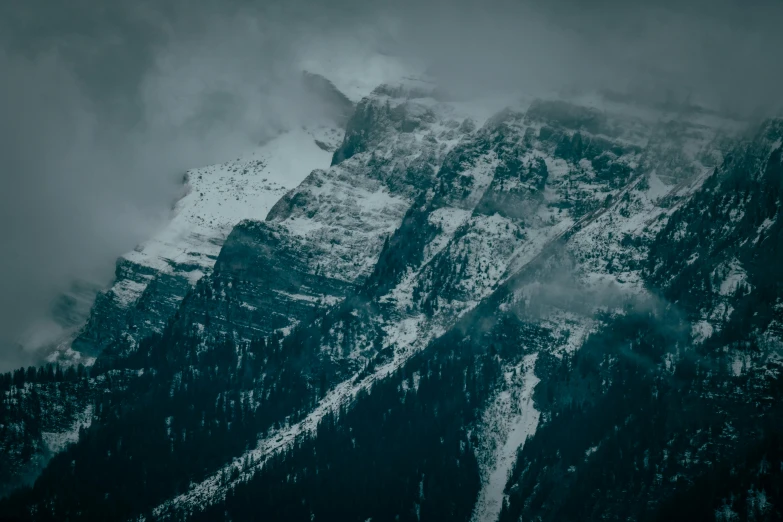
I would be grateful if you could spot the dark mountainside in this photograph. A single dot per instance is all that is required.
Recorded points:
(559, 312)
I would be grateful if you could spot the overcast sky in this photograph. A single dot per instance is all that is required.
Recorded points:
(104, 105)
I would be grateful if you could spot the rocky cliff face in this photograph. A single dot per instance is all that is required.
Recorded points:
(675, 395)
(321, 240)
(565, 310)
(151, 282)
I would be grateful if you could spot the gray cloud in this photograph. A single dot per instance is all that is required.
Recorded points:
(103, 105)
(724, 53)
(93, 152)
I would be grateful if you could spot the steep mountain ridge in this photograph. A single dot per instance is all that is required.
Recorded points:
(403, 324)
(145, 353)
(152, 280)
(322, 238)
(653, 340)
(690, 410)
(445, 295)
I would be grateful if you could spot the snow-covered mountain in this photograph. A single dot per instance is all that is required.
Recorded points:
(542, 309)
(152, 280)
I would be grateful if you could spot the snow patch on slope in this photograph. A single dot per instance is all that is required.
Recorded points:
(734, 278)
(57, 441)
(448, 219)
(508, 422)
(211, 489)
(220, 196)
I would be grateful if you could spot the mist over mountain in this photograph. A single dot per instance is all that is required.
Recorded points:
(105, 109)
(443, 260)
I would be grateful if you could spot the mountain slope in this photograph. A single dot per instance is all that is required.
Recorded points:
(403, 323)
(184, 346)
(152, 280)
(550, 336)
(569, 310)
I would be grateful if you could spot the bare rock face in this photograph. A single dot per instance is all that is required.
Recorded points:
(151, 282)
(322, 239)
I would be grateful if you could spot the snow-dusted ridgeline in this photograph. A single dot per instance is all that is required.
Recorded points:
(489, 262)
(153, 279)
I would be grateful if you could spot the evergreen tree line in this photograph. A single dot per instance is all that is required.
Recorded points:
(175, 409)
(34, 401)
(404, 451)
(50, 372)
(629, 437)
